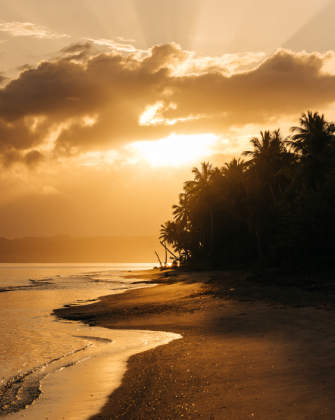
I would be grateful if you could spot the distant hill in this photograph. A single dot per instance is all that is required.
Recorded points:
(88, 249)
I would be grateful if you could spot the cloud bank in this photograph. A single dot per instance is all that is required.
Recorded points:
(87, 100)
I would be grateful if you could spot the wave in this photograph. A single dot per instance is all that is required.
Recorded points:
(23, 389)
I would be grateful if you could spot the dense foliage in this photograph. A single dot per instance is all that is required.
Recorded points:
(274, 208)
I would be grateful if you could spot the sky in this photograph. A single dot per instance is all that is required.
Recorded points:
(105, 106)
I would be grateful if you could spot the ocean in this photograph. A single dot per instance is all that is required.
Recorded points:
(54, 369)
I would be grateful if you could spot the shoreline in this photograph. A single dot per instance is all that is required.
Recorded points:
(243, 355)
(77, 351)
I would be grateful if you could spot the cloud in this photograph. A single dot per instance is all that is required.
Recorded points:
(285, 83)
(228, 64)
(28, 29)
(11, 156)
(78, 52)
(119, 45)
(33, 158)
(88, 101)
(2, 79)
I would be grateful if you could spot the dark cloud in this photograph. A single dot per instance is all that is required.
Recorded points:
(2, 79)
(78, 51)
(94, 100)
(11, 156)
(284, 84)
(33, 158)
(163, 56)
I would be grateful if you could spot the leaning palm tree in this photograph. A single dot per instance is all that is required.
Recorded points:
(168, 233)
(174, 234)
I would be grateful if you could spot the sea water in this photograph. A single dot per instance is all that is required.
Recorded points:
(53, 369)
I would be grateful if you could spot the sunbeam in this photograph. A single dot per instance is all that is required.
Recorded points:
(316, 33)
(163, 22)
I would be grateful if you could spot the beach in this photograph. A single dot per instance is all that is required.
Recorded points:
(248, 349)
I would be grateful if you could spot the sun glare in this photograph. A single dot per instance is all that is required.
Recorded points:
(176, 150)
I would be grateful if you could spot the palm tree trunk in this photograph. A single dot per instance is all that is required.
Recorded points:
(160, 261)
(168, 250)
(272, 194)
(259, 246)
(211, 220)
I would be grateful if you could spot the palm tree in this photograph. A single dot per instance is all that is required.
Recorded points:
(199, 190)
(265, 178)
(201, 178)
(174, 234)
(266, 148)
(181, 211)
(313, 136)
(234, 169)
(269, 157)
(167, 232)
(314, 143)
(260, 146)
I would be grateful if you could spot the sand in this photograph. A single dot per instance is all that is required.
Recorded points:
(248, 350)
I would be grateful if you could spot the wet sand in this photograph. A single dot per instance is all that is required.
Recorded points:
(248, 350)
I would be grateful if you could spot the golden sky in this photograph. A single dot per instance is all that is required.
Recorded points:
(106, 105)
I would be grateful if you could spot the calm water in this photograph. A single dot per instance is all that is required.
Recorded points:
(66, 369)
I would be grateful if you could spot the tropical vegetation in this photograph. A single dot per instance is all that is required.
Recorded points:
(273, 206)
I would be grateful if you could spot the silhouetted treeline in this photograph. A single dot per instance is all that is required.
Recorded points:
(273, 206)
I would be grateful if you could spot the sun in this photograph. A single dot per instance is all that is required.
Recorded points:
(176, 149)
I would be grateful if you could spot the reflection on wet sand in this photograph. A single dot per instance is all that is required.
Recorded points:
(56, 368)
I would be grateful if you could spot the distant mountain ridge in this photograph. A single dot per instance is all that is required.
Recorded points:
(76, 249)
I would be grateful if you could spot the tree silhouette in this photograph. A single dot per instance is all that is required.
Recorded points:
(313, 142)
(274, 208)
